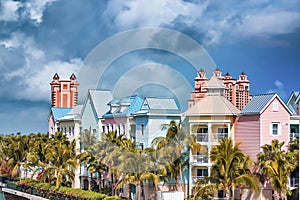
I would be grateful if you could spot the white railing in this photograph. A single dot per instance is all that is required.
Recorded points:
(199, 159)
(212, 137)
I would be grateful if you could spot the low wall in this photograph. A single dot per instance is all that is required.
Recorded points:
(23, 195)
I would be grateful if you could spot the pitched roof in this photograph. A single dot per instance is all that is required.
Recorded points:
(260, 102)
(294, 98)
(212, 105)
(214, 82)
(74, 114)
(99, 99)
(59, 112)
(133, 104)
(159, 106)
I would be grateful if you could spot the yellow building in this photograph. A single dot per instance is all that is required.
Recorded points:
(209, 119)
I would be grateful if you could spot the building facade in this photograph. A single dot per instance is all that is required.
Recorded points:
(64, 93)
(237, 91)
(209, 120)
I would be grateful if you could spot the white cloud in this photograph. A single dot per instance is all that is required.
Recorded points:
(9, 10)
(37, 82)
(35, 8)
(34, 76)
(279, 89)
(269, 23)
(142, 13)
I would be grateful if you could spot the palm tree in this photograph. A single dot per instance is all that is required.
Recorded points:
(87, 139)
(136, 167)
(204, 190)
(174, 148)
(17, 151)
(231, 167)
(37, 152)
(62, 161)
(276, 165)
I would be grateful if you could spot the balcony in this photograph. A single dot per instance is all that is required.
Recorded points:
(199, 159)
(217, 136)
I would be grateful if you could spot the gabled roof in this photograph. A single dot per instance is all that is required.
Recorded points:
(74, 114)
(260, 102)
(99, 99)
(294, 98)
(59, 112)
(159, 106)
(212, 105)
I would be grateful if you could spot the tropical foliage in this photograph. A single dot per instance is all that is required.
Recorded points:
(276, 164)
(231, 167)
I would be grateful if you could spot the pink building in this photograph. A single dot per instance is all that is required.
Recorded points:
(237, 91)
(264, 119)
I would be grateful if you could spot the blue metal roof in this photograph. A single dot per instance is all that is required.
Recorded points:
(59, 112)
(257, 104)
(134, 104)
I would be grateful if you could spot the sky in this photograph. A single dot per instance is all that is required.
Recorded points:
(39, 38)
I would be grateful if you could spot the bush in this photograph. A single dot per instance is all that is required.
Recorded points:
(50, 191)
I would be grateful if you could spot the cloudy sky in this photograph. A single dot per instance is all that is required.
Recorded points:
(41, 37)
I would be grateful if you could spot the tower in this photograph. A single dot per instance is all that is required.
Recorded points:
(236, 91)
(64, 93)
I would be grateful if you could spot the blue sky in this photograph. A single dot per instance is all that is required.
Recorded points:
(41, 37)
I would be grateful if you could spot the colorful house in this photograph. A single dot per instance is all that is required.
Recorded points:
(69, 125)
(153, 118)
(119, 116)
(54, 114)
(264, 119)
(210, 119)
(94, 107)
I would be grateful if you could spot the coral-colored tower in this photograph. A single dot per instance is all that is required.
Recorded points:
(64, 93)
(236, 91)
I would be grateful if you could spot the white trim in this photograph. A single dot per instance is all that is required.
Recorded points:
(278, 128)
(280, 100)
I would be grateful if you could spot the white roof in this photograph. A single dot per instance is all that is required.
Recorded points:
(212, 105)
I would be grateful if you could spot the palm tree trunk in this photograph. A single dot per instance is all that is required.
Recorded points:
(129, 191)
(99, 180)
(142, 191)
(138, 191)
(182, 182)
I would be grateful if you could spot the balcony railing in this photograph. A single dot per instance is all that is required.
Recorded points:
(213, 137)
(199, 159)
(216, 137)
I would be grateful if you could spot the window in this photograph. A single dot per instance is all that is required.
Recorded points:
(124, 128)
(202, 172)
(275, 128)
(142, 129)
(275, 106)
(142, 146)
(202, 130)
